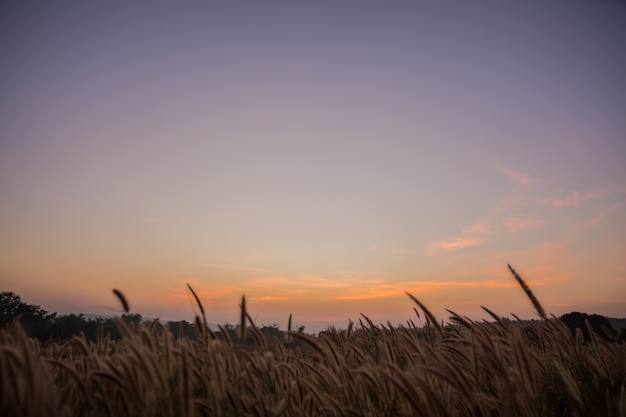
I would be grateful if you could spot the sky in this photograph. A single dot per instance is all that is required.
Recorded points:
(320, 158)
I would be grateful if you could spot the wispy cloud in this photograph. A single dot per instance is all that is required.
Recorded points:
(234, 267)
(458, 243)
(477, 228)
(266, 298)
(372, 292)
(426, 285)
(521, 178)
(572, 199)
(477, 233)
(598, 218)
(384, 289)
(515, 224)
(315, 281)
(595, 195)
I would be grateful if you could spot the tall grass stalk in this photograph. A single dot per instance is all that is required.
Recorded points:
(466, 368)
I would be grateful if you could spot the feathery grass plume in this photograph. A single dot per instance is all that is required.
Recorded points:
(313, 342)
(226, 335)
(529, 293)
(494, 315)
(458, 319)
(206, 331)
(242, 321)
(122, 299)
(197, 300)
(256, 333)
(289, 329)
(429, 316)
(482, 370)
(369, 321)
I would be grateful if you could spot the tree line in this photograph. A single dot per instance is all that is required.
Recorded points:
(46, 326)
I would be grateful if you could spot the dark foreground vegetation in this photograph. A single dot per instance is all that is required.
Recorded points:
(467, 368)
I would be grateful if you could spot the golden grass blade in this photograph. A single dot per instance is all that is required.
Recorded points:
(529, 293)
(122, 299)
(242, 321)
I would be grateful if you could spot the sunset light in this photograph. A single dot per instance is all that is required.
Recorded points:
(321, 158)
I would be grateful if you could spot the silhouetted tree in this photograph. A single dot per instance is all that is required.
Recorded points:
(231, 332)
(11, 306)
(273, 330)
(33, 318)
(182, 328)
(66, 326)
(133, 320)
(599, 324)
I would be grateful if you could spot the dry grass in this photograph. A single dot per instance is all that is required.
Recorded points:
(502, 368)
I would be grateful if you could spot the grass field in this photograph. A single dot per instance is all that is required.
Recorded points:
(467, 368)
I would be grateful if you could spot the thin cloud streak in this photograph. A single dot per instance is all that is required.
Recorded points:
(599, 218)
(573, 199)
(232, 267)
(516, 224)
(514, 174)
(385, 290)
(459, 243)
(474, 235)
(503, 219)
(477, 228)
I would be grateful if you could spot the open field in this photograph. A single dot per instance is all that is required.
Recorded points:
(500, 368)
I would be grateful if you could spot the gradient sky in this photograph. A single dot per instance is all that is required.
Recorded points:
(321, 159)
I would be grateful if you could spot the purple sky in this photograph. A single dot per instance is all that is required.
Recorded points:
(319, 158)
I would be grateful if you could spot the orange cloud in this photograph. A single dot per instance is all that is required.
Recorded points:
(369, 294)
(477, 228)
(179, 291)
(595, 195)
(573, 199)
(271, 298)
(472, 235)
(393, 289)
(598, 218)
(517, 176)
(233, 267)
(427, 285)
(515, 224)
(315, 281)
(459, 243)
